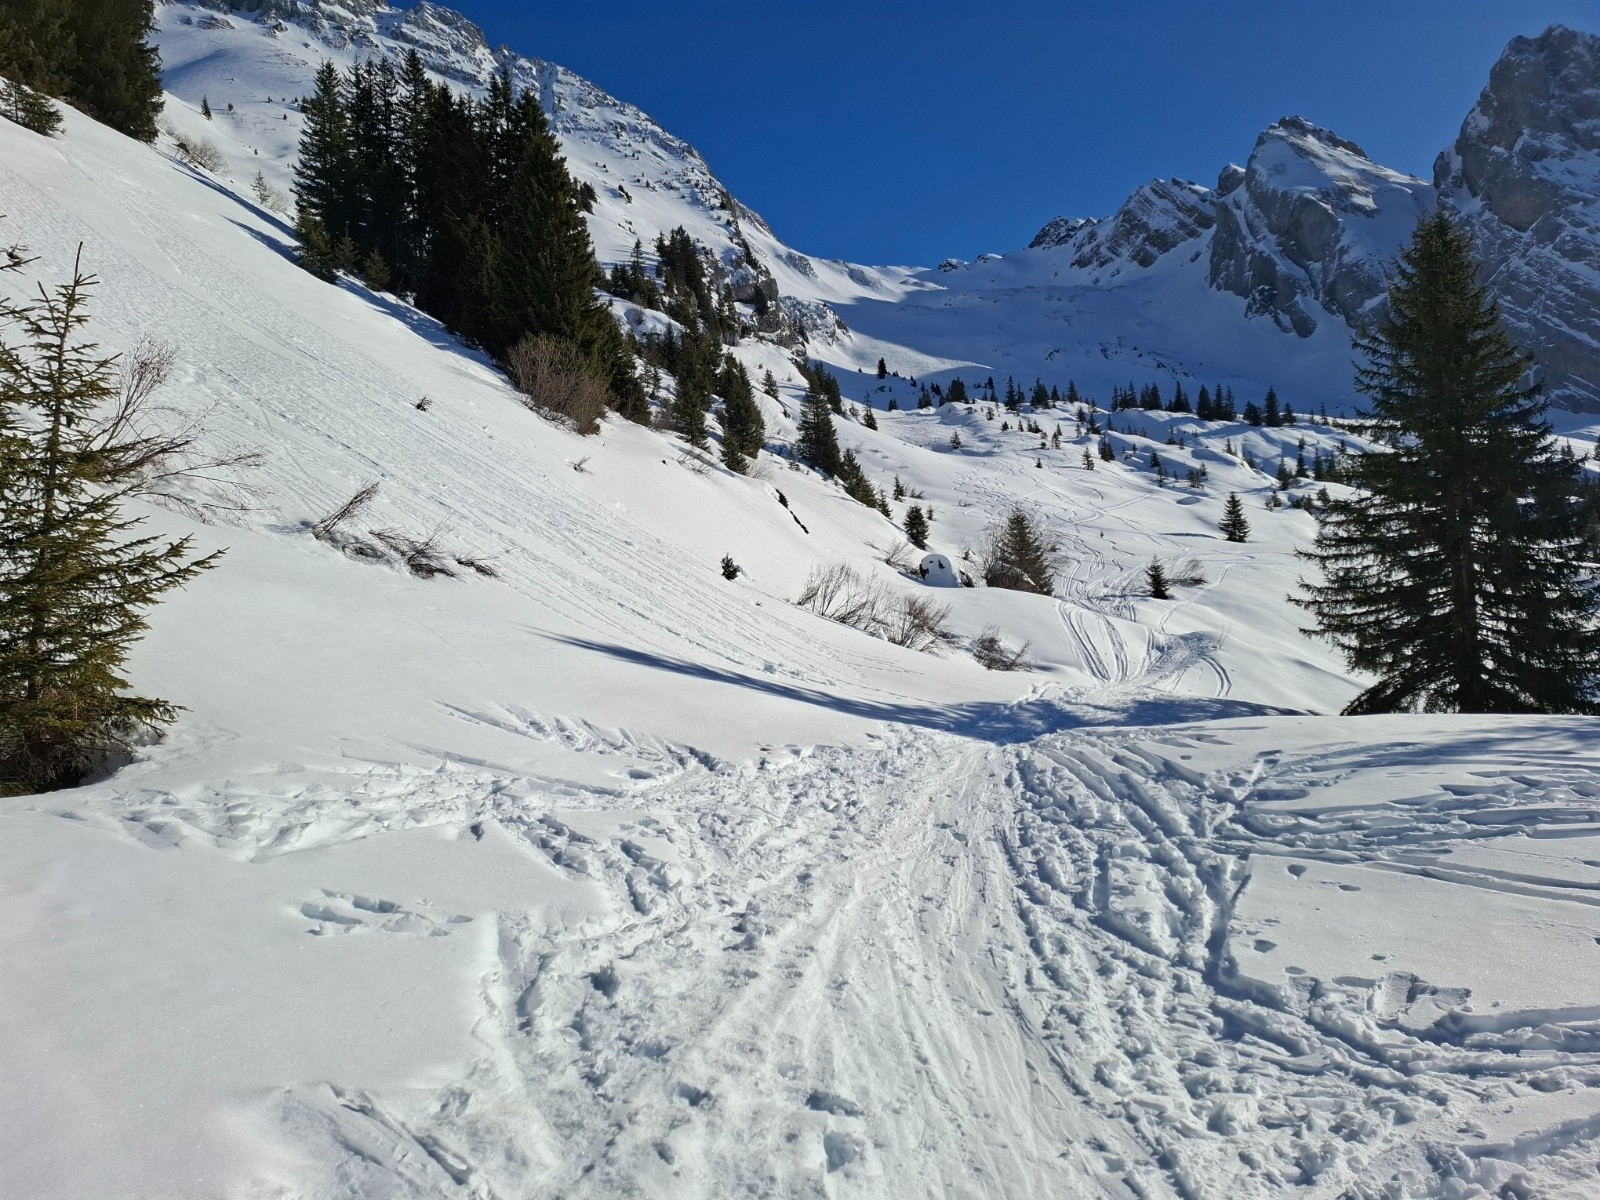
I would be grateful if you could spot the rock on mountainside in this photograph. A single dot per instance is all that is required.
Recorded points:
(1525, 174)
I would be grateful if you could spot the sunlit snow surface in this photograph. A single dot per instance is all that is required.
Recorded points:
(612, 878)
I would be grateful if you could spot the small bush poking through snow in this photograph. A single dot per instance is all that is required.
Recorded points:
(558, 380)
(199, 153)
(1188, 573)
(994, 655)
(841, 594)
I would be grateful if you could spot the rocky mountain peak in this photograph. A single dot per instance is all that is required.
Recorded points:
(1058, 231)
(1524, 175)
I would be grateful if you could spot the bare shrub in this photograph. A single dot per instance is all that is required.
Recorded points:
(325, 529)
(423, 556)
(480, 565)
(199, 153)
(841, 594)
(559, 381)
(158, 453)
(994, 655)
(1188, 573)
(899, 556)
(917, 623)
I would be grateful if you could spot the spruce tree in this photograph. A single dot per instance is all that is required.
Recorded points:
(916, 527)
(1455, 577)
(1271, 414)
(1155, 579)
(1020, 556)
(114, 73)
(1234, 526)
(818, 444)
(75, 576)
(324, 169)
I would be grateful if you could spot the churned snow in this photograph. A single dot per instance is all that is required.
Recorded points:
(609, 877)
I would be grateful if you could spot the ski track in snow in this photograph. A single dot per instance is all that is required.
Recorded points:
(936, 966)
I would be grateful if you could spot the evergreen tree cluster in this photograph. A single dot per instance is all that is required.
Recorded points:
(94, 54)
(464, 204)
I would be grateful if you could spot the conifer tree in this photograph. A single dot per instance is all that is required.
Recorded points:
(741, 415)
(1456, 577)
(205, 107)
(916, 527)
(1155, 578)
(1020, 556)
(96, 54)
(1271, 414)
(324, 170)
(1234, 526)
(818, 444)
(75, 576)
(28, 108)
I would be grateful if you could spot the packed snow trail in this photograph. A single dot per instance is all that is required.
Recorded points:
(942, 966)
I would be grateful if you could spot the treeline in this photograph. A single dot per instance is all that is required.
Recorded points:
(94, 54)
(1207, 404)
(464, 205)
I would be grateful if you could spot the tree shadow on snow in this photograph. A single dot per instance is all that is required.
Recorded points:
(1003, 723)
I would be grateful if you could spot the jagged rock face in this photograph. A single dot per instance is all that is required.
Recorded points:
(1157, 218)
(1309, 226)
(1524, 175)
(1058, 232)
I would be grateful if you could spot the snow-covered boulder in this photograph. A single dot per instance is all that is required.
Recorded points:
(937, 571)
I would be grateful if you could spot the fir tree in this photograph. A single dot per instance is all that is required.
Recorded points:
(1271, 414)
(742, 425)
(1455, 579)
(324, 168)
(818, 444)
(205, 107)
(1234, 526)
(28, 108)
(917, 527)
(75, 577)
(1020, 556)
(883, 369)
(1155, 578)
(117, 76)
(730, 569)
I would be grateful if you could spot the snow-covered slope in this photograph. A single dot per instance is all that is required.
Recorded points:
(609, 876)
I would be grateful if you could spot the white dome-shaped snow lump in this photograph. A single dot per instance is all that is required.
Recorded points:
(936, 570)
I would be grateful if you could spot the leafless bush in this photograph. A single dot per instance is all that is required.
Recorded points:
(199, 153)
(474, 563)
(898, 556)
(841, 594)
(423, 556)
(558, 380)
(916, 623)
(158, 453)
(325, 529)
(1188, 573)
(994, 655)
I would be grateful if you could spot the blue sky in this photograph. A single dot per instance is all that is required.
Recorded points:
(910, 132)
